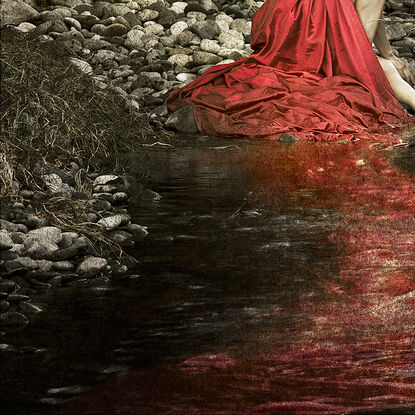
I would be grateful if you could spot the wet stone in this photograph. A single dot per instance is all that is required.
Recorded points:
(4, 305)
(7, 286)
(287, 138)
(17, 297)
(26, 307)
(107, 179)
(63, 266)
(112, 222)
(13, 319)
(21, 263)
(91, 266)
(150, 195)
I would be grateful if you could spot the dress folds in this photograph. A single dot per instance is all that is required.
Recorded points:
(313, 73)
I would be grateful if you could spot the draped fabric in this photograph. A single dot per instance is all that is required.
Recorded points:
(312, 73)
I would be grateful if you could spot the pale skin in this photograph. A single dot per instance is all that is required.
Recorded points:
(400, 77)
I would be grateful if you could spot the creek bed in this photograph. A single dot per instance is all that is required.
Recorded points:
(275, 278)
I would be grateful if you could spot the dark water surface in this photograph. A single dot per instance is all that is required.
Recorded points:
(275, 279)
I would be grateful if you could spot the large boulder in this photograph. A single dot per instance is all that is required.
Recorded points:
(15, 12)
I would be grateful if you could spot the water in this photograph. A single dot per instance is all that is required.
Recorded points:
(276, 279)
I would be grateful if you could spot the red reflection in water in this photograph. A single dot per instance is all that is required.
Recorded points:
(353, 352)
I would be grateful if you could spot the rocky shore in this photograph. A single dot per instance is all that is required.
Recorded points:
(144, 49)
(140, 50)
(36, 255)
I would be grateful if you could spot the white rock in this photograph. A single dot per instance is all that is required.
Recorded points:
(180, 59)
(26, 27)
(50, 234)
(113, 222)
(90, 266)
(185, 77)
(178, 7)
(153, 29)
(107, 179)
(134, 38)
(147, 15)
(70, 21)
(209, 45)
(178, 28)
(241, 26)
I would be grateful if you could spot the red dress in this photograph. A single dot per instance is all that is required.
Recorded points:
(312, 73)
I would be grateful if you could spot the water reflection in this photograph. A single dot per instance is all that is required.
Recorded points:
(288, 283)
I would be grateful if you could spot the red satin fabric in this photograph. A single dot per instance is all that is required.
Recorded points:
(313, 73)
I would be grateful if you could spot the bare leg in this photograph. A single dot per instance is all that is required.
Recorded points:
(402, 90)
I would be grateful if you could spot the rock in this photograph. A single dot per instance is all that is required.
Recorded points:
(71, 22)
(180, 59)
(185, 38)
(12, 227)
(242, 26)
(178, 28)
(147, 15)
(14, 12)
(18, 237)
(55, 184)
(26, 27)
(122, 238)
(112, 222)
(24, 263)
(104, 196)
(29, 308)
(206, 30)
(33, 221)
(287, 138)
(209, 45)
(134, 38)
(44, 266)
(231, 40)
(6, 241)
(4, 306)
(153, 29)
(116, 29)
(182, 121)
(107, 179)
(178, 7)
(91, 266)
(82, 65)
(63, 266)
(223, 21)
(395, 31)
(138, 232)
(7, 286)
(13, 253)
(13, 319)
(18, 297)
(104, 55)
(205, 58)
(120, 197)
(209, 6)
(39, 250)
(50, 234)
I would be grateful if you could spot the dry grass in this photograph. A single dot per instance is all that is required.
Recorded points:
(52, 112)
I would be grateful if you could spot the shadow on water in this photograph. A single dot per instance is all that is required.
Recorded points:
(276, 279)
